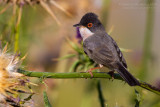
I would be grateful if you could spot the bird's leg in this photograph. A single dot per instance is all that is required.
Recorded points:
(90, 70)
(111, 73)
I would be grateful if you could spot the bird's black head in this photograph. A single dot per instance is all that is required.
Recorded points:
(91, 21)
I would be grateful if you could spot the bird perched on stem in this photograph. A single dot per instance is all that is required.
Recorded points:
(102, 49)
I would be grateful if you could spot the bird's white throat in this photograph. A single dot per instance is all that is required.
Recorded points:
(85, 32)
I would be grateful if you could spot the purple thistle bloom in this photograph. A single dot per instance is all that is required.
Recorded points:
(78, 36)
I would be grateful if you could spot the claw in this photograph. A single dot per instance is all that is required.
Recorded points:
(111, 73)
(90, 72)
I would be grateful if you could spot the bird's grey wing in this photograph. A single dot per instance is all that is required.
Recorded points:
(98, 51)
(103, 55)
(120, 55)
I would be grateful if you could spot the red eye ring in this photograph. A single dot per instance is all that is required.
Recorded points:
(89, 25)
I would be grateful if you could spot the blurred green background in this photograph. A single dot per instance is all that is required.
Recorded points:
(135, 25)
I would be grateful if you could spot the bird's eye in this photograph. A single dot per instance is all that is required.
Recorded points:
(89, 25)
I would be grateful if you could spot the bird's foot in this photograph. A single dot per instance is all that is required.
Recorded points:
(90, 72)
(111, 73)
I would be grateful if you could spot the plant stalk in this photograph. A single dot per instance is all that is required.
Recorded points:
(73, 75)
(147, 40)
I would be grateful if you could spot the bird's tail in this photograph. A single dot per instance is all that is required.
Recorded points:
(127, 76)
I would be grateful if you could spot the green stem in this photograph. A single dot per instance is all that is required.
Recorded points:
(147, 40)
(100, 94)
(68, 75)
(46, 100)
(16, 39)
(72, 75)
(105, 12)
(17, 29)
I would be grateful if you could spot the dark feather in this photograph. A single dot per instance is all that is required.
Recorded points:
(127, 76)
(119, 54)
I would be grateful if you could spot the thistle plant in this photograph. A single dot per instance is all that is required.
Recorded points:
(11, 82)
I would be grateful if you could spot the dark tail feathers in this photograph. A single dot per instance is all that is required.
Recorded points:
(123, 72)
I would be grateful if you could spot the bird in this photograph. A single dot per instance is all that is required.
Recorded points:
(102, 48)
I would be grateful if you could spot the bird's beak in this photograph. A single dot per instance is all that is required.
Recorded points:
(76, 25)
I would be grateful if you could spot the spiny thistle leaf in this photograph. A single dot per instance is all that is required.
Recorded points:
(111, 30)
(74, 66)
(60, 7)
(74, 46)
(65, 57)
(48, 9)
(125, 50)
(29, 97)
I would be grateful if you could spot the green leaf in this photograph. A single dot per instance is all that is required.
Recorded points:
(125, 50)
(81, 67)
(74, 66)
(28, 98)
(46, 101)
(74, 46)
(66, 57)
